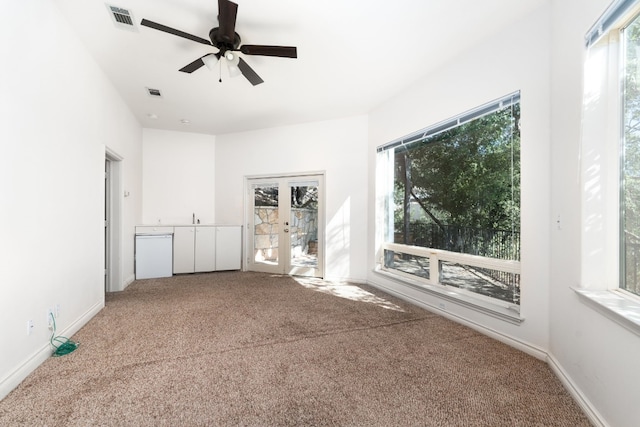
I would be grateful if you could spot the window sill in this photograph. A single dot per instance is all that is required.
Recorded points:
(622, 310)
(509, 314)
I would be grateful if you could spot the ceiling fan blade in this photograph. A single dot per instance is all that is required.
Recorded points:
(190, 68)
(280, 51)
(248, 72)
(175, 32)
(227, 12)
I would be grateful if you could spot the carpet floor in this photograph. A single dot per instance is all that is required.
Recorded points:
(254, 349)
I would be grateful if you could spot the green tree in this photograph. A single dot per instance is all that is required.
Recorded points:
(631, 159)
(467, 176)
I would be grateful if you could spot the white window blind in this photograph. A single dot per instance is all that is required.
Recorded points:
(611, 17)
(483, 110)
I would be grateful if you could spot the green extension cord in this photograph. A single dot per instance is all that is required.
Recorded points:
(65, 345)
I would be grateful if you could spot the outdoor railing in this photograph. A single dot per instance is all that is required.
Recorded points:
(471, 273)
(494, 243)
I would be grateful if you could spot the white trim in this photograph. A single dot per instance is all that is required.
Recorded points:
(477, 302)
(530, 349)
(507, 266)
(129, 280)
(503, 310)
(116, 207)
(572, 388)
(614, 305)
(587, 408)
(21, 372)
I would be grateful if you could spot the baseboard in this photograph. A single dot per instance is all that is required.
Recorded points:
(129, 280)
(586, 406)
(18, 375)
(530, 349)
(346, 280)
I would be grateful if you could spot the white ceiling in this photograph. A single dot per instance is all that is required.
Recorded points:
(352, 55)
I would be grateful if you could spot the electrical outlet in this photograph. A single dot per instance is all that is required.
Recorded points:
(50, 318)
(29, 327)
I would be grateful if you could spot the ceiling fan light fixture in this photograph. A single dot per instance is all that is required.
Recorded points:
(234, 71)
(232, 63)
(210, 61)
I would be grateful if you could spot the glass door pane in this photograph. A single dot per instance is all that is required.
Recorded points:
(285, 232)
(303, 228)
(266, 227)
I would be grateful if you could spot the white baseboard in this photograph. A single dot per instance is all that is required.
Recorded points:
(530, 349)
(129, 280)
(346, 280)
(586, 406)
(19, 374)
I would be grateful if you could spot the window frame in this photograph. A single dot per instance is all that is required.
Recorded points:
(601, 146)
(502, 309)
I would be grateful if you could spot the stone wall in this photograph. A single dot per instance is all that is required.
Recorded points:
(303, 228)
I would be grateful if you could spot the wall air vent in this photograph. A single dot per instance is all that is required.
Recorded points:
(122, 18)
(154, 92)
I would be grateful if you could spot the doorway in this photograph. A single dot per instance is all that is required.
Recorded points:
(113, 280)
(285, 224)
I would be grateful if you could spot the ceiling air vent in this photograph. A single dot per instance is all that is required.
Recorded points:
(122, 18)
(154, 92)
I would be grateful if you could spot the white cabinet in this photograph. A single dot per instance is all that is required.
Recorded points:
(201, 248)
(228, 248)
(205, 256)
(184, 249)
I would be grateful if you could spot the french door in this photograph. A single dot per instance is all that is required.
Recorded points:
(285, 225)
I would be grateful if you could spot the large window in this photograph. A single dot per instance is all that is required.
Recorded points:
(610, 166)
(453, 203)
(630, 194)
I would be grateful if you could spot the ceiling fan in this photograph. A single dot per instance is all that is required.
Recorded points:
(225, 38)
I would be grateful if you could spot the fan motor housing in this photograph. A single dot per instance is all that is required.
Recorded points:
(224, 45)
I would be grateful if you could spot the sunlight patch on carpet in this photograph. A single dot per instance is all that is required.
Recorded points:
(347, 291)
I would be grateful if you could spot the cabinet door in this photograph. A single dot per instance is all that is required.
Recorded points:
(228, 248)
(205, 259)
(183, 249)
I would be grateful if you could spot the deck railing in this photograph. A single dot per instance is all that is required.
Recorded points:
(478, 273)
(493, 243)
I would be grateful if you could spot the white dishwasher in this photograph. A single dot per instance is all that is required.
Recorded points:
(154, 255)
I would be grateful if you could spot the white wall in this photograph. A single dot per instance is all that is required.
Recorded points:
(178, 177)
(516, 58)
(599, 356)
(543, 57)
(53, 133)
(337, 147)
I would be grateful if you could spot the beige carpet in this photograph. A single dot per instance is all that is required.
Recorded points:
(254, 349)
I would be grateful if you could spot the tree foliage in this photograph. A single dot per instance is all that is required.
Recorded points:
(468, 176)
(631, 158)
(302, 197)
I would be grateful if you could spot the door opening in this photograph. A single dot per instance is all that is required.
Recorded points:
(113, 280)
(107, 215)
(285, 225)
